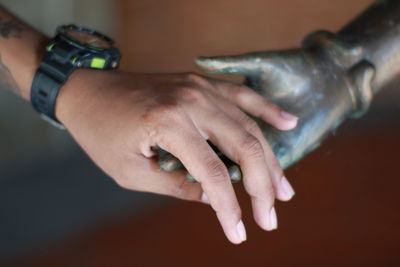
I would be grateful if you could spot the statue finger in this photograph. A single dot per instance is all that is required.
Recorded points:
(169, 162)
(234, 173)
(245, 64)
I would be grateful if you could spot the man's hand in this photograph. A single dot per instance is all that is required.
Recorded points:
(118, 117)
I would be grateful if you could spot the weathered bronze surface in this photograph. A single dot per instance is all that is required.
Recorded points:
(331, 78)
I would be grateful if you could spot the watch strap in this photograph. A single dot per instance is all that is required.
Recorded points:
(44, 93)
(53, 72)
(62, 56)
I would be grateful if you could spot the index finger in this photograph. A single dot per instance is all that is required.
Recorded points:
(200, 160)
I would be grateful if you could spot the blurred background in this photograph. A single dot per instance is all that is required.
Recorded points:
(58, 209)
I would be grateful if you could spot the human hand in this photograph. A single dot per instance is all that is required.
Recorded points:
(119, 117)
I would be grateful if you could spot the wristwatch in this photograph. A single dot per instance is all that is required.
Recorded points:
(72, 47)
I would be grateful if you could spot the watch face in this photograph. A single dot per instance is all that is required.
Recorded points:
(88, 38)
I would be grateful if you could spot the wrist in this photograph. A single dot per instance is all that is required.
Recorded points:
(23, 60)
(73, 95)
(72, 48)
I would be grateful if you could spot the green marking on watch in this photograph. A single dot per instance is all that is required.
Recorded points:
(74, 59)
(98, 63)
(50, 46)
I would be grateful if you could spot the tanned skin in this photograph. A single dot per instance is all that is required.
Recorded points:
(117, 117)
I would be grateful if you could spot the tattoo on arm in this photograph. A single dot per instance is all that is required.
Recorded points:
(11, 28)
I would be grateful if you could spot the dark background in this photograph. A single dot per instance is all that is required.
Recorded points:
(58, 209)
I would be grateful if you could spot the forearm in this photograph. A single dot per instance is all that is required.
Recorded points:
(21, 48)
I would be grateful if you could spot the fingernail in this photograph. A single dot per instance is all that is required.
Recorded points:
(241, 231)
(273, 220)
(204, 198)
(287, 188)
(288, 116)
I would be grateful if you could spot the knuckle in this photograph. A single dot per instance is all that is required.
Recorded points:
(252, 147)
(216, 172)
(191, 94)
(158, 119)
(251, 125)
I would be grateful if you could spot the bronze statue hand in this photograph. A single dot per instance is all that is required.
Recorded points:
(322, 83)
(332, 77)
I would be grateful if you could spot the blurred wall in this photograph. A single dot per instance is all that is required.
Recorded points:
(46, 15)
(167, 35)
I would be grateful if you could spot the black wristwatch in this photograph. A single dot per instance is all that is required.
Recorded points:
(73, 47)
